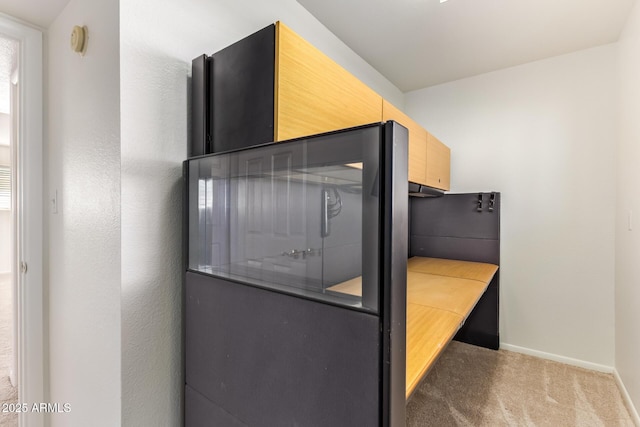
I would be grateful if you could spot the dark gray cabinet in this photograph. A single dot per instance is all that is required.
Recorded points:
(233, 95)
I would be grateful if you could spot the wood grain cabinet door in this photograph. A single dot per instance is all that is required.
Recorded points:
(313, 94)
(438, 164)
(417, 142)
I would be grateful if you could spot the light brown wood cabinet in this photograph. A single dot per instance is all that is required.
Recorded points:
(274, 85)
(313, 94)
(429, 159)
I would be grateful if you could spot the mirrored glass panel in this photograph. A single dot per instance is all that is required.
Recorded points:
(300, 217)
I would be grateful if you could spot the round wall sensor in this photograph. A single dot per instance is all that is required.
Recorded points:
(79, 39)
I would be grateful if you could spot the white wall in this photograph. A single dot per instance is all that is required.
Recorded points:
(543, 134)
(83, 146)
(627, 300)
(158, 42)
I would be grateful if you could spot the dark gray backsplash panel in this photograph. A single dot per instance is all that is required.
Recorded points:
(456, 218)
(479, 250)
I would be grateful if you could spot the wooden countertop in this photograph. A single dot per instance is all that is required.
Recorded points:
(429, 330)
(446, 293)
(440, 295)
(453, 268)
(350, 287)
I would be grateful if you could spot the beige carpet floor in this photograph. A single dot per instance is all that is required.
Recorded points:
(8, 394)
(473, 386)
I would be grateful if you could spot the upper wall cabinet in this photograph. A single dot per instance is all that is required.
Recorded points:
(314, 94)
(429, 159)
(438, 164)
(273, 85)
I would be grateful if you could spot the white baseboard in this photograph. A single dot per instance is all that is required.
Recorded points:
(627, 399)
(633, 412)
(557, 358)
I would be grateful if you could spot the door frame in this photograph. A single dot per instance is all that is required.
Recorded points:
(29, 216)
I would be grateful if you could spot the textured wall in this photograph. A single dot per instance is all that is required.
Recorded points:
(83, 145)
(628, 241)
(543, 134)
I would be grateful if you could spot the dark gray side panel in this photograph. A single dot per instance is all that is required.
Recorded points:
(481, 327)
(464, 227)
(394, 265)
(198, 144)
(269, 359)
(242, 92)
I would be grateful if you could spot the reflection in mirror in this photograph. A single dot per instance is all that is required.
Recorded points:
(290, 216)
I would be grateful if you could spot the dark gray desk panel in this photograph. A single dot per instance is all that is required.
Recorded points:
(201, 412)
(270, 359)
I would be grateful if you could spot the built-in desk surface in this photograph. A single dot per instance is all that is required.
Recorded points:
(440, 295)
(429, 330)
(480, 271)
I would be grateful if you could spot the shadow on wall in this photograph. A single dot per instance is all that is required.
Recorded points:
(154, 132)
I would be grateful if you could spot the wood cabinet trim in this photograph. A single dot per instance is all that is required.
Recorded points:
(276, 65)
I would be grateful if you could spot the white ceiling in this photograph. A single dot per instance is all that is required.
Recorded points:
(37, 12)
(420, 43)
